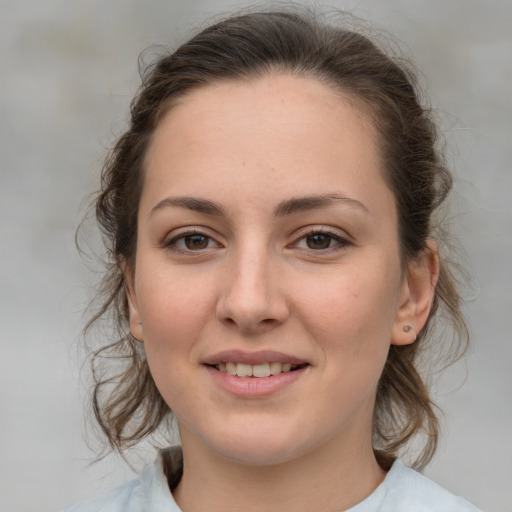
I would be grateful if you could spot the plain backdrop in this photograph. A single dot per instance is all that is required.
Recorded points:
(67, 73)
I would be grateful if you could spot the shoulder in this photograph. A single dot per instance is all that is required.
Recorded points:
(120, 499)
(404, 490)
(148, 493)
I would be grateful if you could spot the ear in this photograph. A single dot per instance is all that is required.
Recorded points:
(133, 309)
(417, 295)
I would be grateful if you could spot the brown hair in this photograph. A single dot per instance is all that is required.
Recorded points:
(126, 402)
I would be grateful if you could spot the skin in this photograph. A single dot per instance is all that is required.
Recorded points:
(257, 280)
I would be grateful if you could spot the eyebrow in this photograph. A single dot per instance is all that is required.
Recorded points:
(191, 203)
(287, 207)
(306, 203)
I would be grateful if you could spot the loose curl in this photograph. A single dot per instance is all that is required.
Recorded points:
(126, 402)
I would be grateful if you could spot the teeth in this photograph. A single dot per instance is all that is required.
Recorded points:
(275, 368)
(244, 370)
(230, 368)
(261, 370)
(255, 370)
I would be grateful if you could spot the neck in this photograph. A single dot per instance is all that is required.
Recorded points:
(331, 478)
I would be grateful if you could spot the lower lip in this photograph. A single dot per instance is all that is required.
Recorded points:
(255, 387)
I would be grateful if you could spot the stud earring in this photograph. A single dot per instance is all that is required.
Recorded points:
(408, 328)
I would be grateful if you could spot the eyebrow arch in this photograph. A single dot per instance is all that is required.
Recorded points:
(190, 203)
(305, 203)
(287, 207)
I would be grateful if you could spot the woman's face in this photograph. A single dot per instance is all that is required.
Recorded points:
(267, 242)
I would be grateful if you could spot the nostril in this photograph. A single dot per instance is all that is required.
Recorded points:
(251, 312)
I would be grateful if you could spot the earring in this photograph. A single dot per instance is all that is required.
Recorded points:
(408, 328)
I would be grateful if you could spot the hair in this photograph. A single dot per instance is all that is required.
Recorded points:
(126, 402)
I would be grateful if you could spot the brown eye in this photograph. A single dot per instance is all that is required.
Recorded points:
(319, 241)
(195, 242)
(191, 243)
(322, 242)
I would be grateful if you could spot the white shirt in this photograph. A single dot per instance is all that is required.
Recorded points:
(403, 490)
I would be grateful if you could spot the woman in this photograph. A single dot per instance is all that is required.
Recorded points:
(276, 275)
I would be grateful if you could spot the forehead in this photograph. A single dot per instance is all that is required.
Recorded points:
(259, 102)
(281, 134)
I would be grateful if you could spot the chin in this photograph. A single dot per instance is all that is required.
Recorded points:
(258, 446)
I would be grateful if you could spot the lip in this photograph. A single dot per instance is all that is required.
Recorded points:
(259, 357)
(255, 387)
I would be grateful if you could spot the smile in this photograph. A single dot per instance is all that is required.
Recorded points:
(256, 370)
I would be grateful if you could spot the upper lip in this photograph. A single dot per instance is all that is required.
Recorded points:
(259, 357)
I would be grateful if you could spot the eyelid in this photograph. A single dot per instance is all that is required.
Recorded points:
(321, 228)
(170, 240)
(341, 237)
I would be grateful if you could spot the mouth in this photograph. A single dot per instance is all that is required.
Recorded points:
(261, 370)
(253, 375)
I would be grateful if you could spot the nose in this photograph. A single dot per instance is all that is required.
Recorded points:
(251, 298)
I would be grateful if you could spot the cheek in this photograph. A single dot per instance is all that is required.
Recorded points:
(350, 318)
(174, 310)
(349, 301)
(173, 321)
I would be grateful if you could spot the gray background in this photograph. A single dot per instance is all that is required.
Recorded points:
(68, 71)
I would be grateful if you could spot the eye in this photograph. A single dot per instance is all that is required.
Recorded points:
(190, 242)
(320, 240)
(194, 242)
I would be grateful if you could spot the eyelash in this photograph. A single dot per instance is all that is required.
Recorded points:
(171, 244)
(340, 242)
